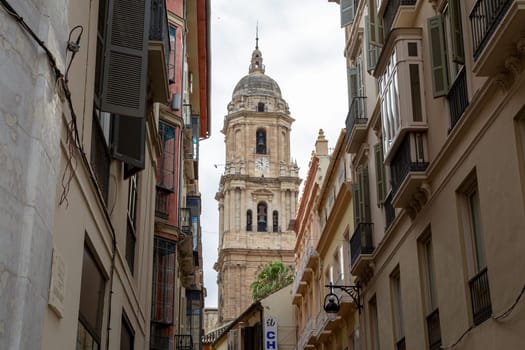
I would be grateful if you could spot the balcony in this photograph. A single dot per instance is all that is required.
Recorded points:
(458, 98)
(396, 8)
(434, 331)
(304, 271)
(158, 52)
(497, 28)
(407, 169)
(356, 124)
(480, 297)
(162, 202)
(361, 247)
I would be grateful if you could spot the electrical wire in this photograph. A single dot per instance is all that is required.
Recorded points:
(499, 317)
(511, 308)
(74, 47)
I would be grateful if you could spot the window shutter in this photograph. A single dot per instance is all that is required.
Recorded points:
(347, 12)
(372, 51)
(438, 55)
(355, 203)
(126, 58)
(458, 53)
(375, 26)
(380, 174)
(352, 82)
(129, 142)
(365, 195)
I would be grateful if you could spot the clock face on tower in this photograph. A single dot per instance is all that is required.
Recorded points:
(262, 163)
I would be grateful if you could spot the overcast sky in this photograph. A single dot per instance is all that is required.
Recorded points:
(302, 46)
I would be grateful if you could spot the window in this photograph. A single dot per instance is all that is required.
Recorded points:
(91, 305)
(374, 37)
(445, 30)
(475, 251)
(194, 305)
(163, 293)
(131, 230)
(426, 262)
(260, 107)
(173, 51)
(275, 221)
(397, 309)
(374, 324)
(342, 263)
(127, 335)
(249, 220)
(167, 163)
(260, 146)
(262, 217)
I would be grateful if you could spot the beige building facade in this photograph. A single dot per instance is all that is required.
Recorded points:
(323, 226)
(258, 191)
(435, 130)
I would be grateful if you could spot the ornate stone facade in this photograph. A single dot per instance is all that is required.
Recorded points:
(258, 191)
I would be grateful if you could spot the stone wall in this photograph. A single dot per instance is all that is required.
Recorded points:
(30, 119)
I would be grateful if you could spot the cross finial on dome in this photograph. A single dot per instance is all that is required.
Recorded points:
(257, 60)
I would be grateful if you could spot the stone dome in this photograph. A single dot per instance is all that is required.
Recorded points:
(257, 84)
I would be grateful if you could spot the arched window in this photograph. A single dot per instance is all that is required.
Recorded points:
(260, 107)
(262, 217)
(249, 220)
(275, 221)
(260, 143)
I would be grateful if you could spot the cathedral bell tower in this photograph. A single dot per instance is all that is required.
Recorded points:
(258, 191)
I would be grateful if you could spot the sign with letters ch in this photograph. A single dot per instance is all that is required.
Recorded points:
(270, 333)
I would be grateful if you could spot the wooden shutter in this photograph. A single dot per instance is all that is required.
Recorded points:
(438, 55)
(380, 174)
(375, 25)
(126, 58)
(129, 140)
(355, 203)
(351, 73)
(347, 12)
(458, 53)
(372, 51)
(364, 192)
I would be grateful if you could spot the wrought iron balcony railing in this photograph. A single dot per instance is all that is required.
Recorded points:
(458, 98)
(406, 160)
(480, 297)
(434, 330)
(309, 251)
(356, 114)
(390, 13)
(484, 19)
(361, 241)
